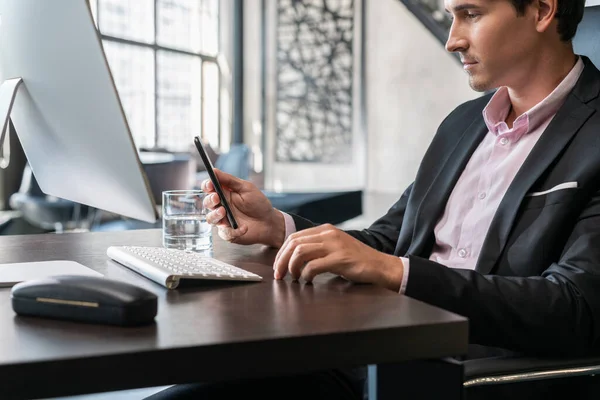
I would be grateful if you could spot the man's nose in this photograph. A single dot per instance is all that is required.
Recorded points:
(456, 40)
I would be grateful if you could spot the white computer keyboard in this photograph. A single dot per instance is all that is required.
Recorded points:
(168, 266)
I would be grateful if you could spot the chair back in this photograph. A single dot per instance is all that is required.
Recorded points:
(48, 212)
(236, 161)
(587, 40)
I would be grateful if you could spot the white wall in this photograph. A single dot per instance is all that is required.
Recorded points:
(252, 77)
(412, 84)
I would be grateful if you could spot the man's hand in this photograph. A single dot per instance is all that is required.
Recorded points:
(258, 221)
(325, 248)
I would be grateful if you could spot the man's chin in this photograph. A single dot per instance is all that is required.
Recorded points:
(479, 85)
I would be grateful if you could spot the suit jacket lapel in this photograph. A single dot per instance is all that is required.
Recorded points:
(434, 201)
(558, 134)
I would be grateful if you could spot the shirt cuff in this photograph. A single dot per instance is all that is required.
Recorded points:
(406, 263)
(290, 225)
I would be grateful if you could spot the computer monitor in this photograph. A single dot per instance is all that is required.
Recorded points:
(66, 110)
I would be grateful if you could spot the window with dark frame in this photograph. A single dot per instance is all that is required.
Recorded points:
(163, 56)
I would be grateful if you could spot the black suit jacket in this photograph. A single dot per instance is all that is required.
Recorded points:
(536, 285)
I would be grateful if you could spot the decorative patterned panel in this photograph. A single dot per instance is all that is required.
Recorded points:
(314, 110)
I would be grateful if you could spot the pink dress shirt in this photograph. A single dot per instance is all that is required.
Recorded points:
(462, 228)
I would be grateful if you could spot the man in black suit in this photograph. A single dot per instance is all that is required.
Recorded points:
(502, 223)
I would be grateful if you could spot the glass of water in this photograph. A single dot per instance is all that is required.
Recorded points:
(184, 221)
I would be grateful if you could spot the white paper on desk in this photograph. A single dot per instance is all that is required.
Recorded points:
(11, 274)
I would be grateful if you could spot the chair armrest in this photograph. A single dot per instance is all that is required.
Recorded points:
(497, 370)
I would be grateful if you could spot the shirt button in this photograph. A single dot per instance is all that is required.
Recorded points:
(462, 253)
(504, 141)
(481, 195)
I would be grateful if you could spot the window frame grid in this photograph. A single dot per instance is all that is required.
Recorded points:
(155, 47)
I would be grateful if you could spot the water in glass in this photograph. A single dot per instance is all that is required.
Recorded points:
(186, 232)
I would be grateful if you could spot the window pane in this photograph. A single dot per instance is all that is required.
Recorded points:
(127, 19)
(179, 100)
(210, 99)
(133, 71)
(210, 26)
(178, 24)
(226, 125)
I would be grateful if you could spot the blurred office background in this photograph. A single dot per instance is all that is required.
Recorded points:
(327, 105)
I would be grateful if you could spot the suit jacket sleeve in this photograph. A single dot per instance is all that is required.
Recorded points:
(383, 234)
(516, 312)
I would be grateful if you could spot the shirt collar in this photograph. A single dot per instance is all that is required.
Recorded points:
(496, 111)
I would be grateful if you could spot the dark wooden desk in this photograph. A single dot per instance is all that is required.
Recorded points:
(210, 332)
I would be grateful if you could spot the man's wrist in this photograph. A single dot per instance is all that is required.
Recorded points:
(277, 231)
(394, 273)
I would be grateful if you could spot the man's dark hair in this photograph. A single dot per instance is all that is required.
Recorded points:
(569, 15)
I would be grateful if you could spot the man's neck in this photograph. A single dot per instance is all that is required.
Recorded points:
(540, 79)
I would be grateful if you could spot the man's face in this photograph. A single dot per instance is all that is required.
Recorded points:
(494, 42)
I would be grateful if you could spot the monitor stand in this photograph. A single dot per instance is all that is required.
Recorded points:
(18, 272)
(8, 92)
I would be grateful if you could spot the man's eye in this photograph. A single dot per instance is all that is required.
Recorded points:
(472, 15)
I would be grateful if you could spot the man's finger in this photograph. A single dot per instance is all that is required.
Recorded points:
(207, 186)
(293, 236)
(211, 201)
(286, 251)
(303, 254)
(215, 216)
(316, 267)
(229, 234)
(306, 232)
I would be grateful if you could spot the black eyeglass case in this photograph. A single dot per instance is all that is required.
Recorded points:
(85, 299)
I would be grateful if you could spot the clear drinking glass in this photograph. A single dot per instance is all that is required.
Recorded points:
(184, 221)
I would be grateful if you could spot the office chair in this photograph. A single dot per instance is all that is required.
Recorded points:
(236, 161)
(507, 370)
(48, 212)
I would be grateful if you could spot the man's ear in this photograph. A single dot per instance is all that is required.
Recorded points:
(545, 13)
